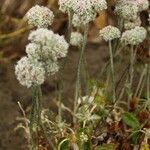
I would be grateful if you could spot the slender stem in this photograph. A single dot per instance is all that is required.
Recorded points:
(70, 16)
(141, 79)
(148, 85)
(112, 71)
(131, 67)
(131, 72)
(77, 87)
(85, 74)
(142, 87)
(61, 74)
(34, 118)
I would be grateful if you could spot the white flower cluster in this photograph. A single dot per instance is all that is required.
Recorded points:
(43, 53)
(29, 72)
(46, 45)
(76, 39)
(134, 36)
(132, 24)
(142, 4)
(84, 10)
(109, 33)
(65, 5)
(40, 16)
(127, 10)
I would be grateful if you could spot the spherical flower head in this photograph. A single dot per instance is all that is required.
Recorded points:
(29, 73)
(134, 36)
(51, 67)
(83, 9)
(33, 51)
(109, 33)
(132, 24)
(40, 16)
(76, 39)
(41, 36)
(60, 47)
(86, 10)
(99, 5)
(127, 10)
(65, 5)
(143, 4)
(52, 46)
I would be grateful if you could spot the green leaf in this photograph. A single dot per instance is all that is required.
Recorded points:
(107, 147)
(64, 145)
(131, 120)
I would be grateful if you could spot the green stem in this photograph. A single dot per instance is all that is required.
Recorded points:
(131, 67)
(34, 118)
(140, 81)
(112, 71)
(131, 72)
(148, 85)
(77, 87)
(61, 74)
(70, 16)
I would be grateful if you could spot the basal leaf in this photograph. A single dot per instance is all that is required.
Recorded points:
(130, 120)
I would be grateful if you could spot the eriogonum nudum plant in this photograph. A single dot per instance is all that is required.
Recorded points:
(29, 72)
(76, 39)
(40, 16)
(109, 33)
(134, 36)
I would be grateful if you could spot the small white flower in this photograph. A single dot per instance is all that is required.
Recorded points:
(143, 4)
(109, 33)
(29, 73)
(127, 10)
(76, 39)
(40, 16)
(41, 36)
(33, 51)
(85, 11)
(99, 5)
(132, 24)
(51, 67)
(52, 46)
(134, 36)
(65, 5)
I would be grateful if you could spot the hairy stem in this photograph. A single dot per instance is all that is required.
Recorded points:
(34, 118)
(141, 79)
(77, 86)
(131, 73)
(112, 71)
(61, 74)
